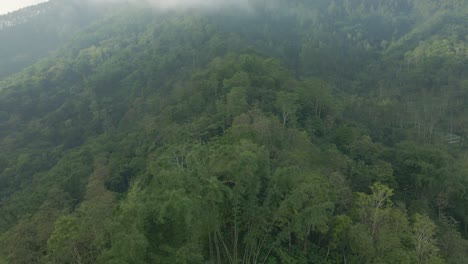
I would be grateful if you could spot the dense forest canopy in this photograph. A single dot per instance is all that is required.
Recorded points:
(263, 132)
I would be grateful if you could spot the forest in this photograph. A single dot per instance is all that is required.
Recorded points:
(267, 132)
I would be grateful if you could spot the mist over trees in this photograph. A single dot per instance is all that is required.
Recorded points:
(262, 132)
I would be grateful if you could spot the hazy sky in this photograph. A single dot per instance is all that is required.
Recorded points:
(12, 5)
(181, 3)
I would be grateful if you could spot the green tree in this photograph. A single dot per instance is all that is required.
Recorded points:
(287, 104)
(424, 231)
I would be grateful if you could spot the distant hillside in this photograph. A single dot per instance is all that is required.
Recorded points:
(32, 33)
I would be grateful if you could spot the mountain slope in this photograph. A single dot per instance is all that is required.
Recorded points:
(32, 33)
(291, 133)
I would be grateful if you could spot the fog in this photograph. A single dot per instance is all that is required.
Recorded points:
(173, 4)
(12, 5)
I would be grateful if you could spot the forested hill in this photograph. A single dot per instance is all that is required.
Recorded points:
(34, 32)
(263, 132)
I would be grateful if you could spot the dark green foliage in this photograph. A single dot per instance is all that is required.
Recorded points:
(290, 132)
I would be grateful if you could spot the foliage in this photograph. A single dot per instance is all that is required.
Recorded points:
(290, 132)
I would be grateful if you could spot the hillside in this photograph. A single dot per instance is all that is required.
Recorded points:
(32, 33)
(273, 132)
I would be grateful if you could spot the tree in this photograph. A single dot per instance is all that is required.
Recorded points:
(372, 208)
(425, 244)
(236, 101)
(287, 104)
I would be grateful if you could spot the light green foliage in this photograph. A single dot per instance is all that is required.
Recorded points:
(236, 101)
(307, 205)
(78, 237)
(423, 238)
(373, 208)
(382, 232)
(286, 103)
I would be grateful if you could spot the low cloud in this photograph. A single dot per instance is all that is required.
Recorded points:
(175, 4)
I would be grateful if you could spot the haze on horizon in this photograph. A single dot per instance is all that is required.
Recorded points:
(7, 6)
(170, 4)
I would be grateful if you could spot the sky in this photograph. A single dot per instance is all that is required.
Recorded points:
(181, 3)
(12, 5)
